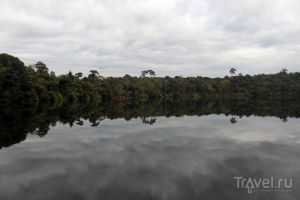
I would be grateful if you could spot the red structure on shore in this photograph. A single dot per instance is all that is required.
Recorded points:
(120, 98)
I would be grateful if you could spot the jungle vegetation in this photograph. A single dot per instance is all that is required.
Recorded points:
(32, 99)
(34, 85)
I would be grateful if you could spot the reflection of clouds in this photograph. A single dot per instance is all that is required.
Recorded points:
(176, 158)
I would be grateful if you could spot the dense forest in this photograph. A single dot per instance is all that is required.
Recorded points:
(35, 85)
(32, 98)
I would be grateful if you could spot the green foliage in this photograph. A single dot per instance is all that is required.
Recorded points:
(232, 71)
(41, 67)
(31, 98)
(150, 72)
(30, 86)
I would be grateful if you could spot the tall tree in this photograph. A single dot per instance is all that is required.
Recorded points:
(78, 75)
(41, 67)
(232, 71)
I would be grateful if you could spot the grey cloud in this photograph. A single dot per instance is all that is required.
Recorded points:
(173, 37)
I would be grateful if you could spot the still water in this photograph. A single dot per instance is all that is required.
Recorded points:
(188, 157)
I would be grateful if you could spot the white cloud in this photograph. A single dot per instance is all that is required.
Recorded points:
(176, 37)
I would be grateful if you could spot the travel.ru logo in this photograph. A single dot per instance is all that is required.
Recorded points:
(264, 184)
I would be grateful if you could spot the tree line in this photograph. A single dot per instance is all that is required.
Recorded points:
(33, 85)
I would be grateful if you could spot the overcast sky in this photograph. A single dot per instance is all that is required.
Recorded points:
(172, 37)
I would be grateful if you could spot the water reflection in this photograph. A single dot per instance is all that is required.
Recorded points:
(174, 158)
(156, 151)
(17, 123)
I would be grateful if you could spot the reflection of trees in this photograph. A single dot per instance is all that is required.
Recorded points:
(42, 131)
(94, 122)
(233, 120)
(148, 120)
(79, 122)
(17, 122)
(284, 119)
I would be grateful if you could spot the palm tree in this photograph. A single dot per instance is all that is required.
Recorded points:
(232, 71)
(284, 70)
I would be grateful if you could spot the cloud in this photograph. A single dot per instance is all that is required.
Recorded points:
(173, 37)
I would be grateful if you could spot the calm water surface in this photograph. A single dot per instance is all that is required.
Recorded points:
(184, 158)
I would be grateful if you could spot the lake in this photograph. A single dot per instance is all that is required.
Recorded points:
(166, 156)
